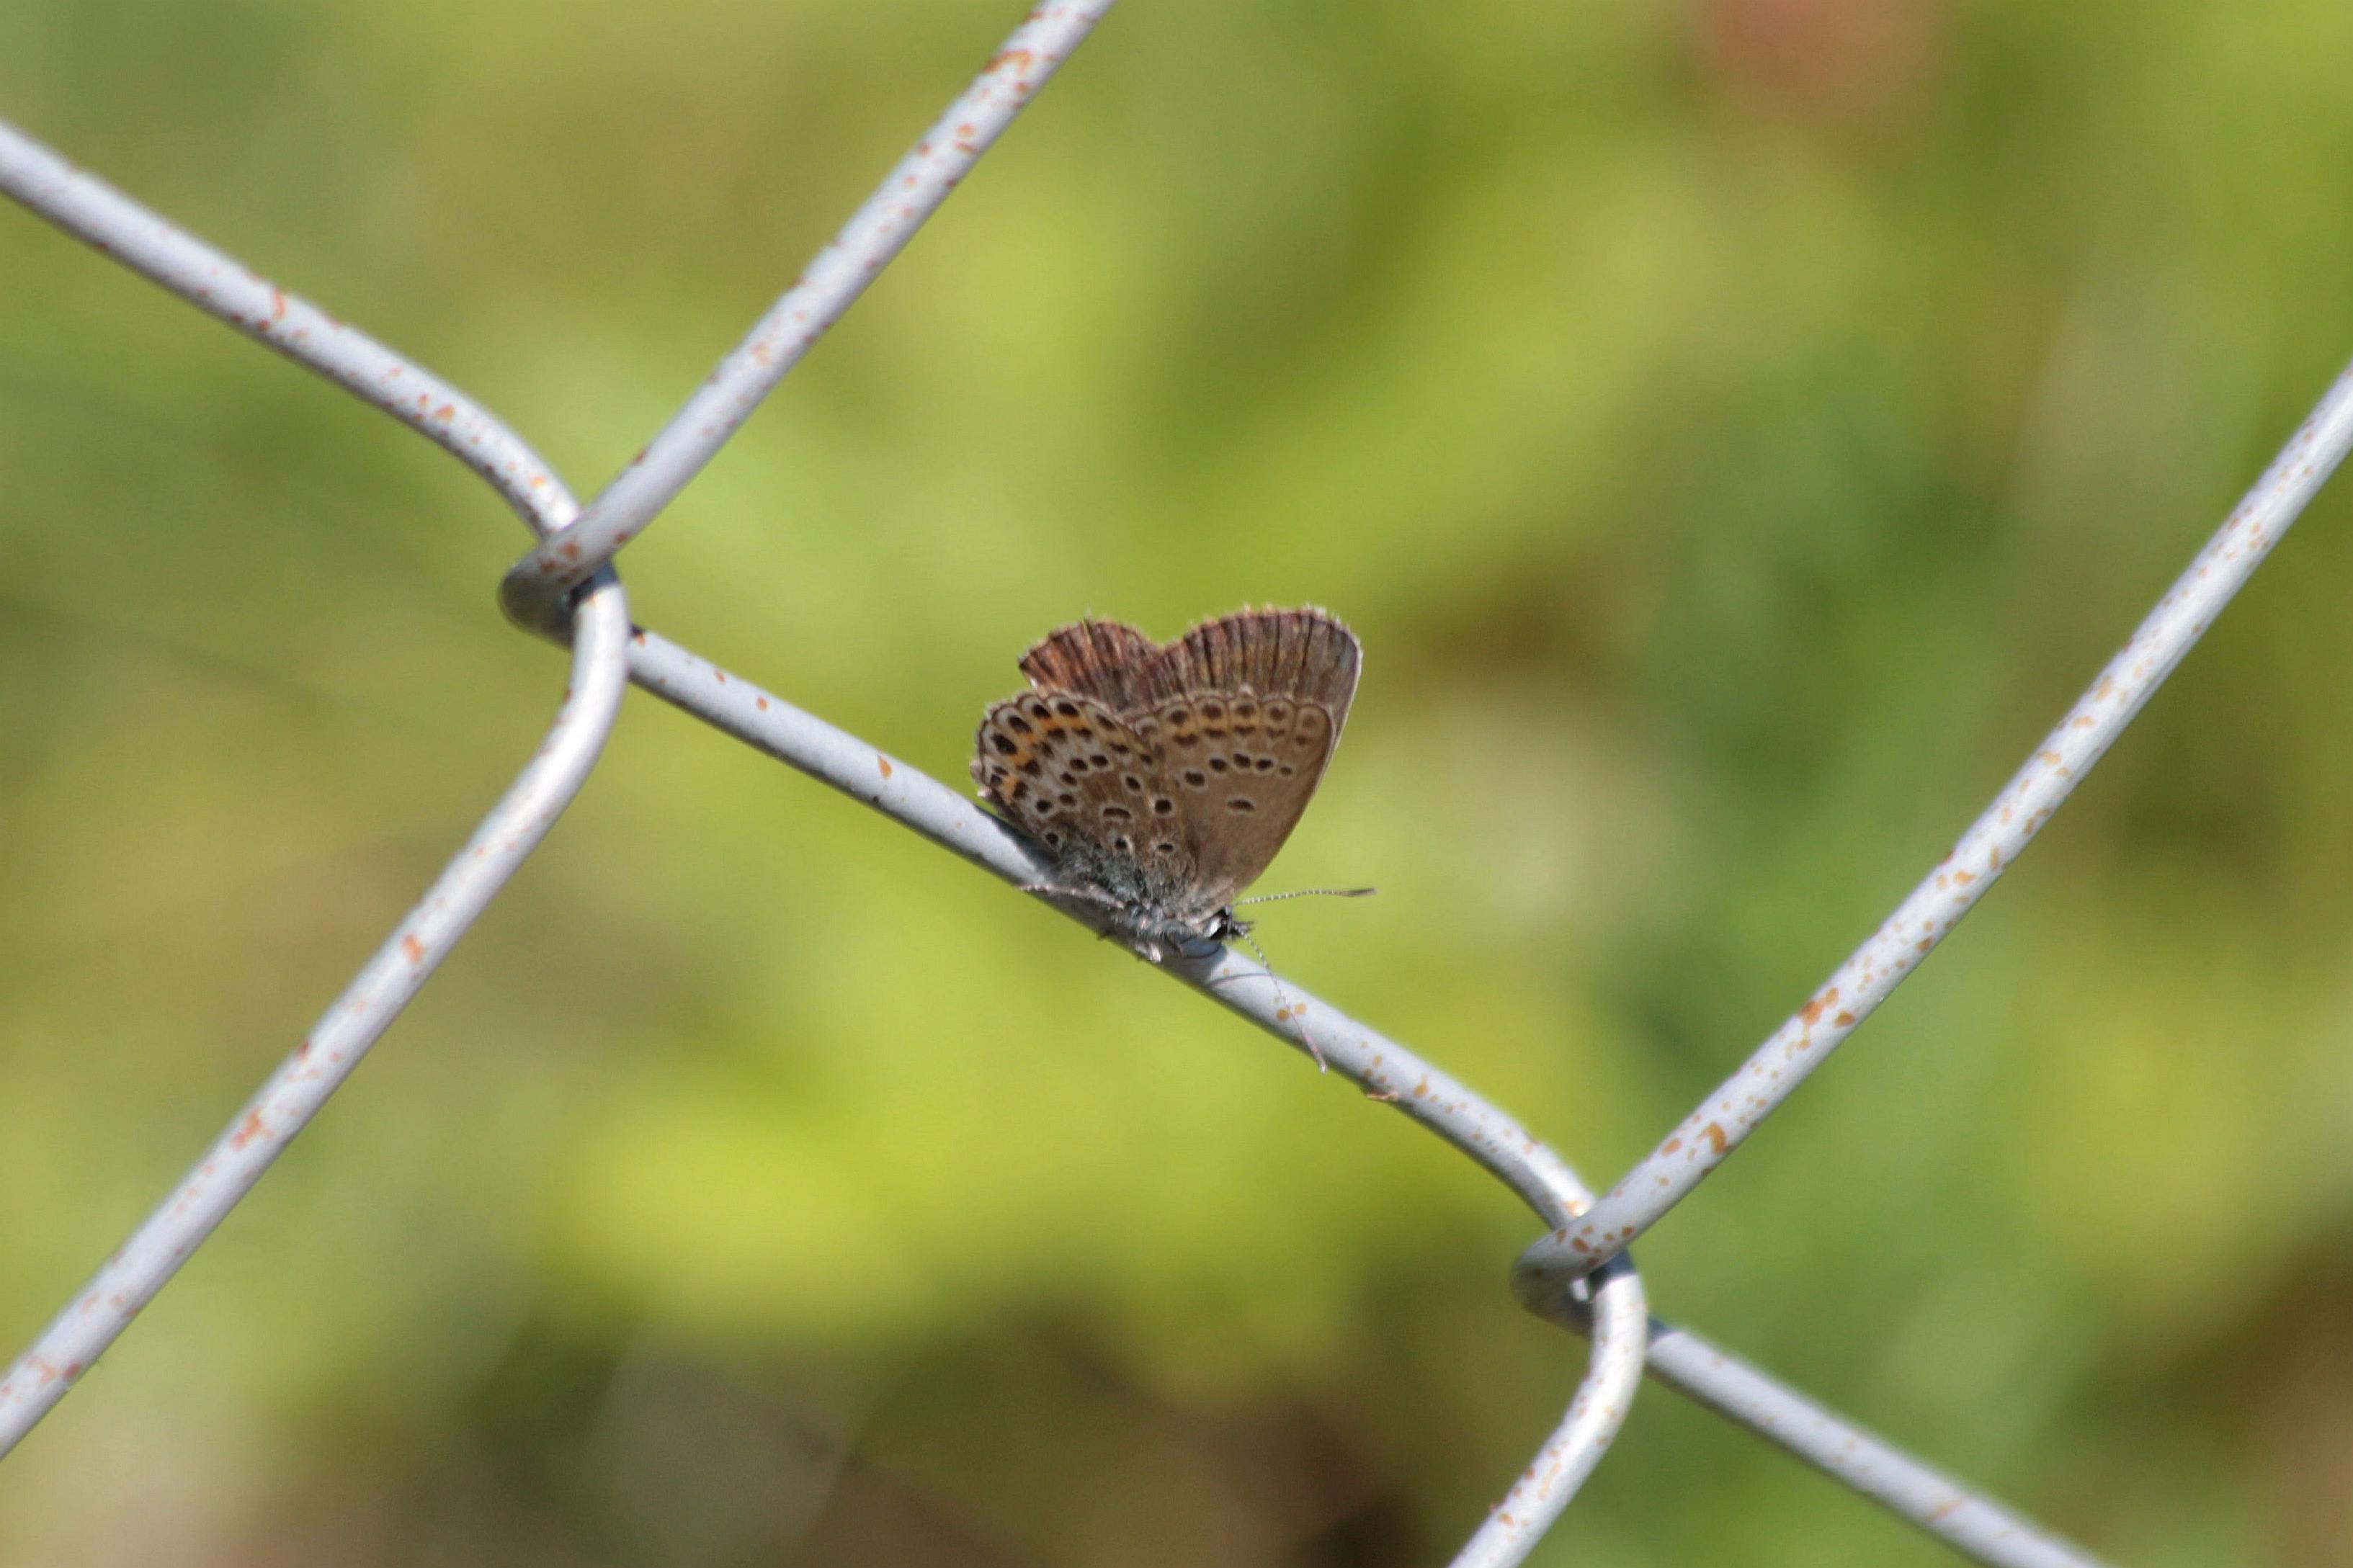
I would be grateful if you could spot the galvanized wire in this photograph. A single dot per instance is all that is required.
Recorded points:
(90, 210)
(1974, 1525)
(876, 232)
(1954, 885)
(1609, 1305)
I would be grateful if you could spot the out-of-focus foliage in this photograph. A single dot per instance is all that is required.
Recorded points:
(1737, 428)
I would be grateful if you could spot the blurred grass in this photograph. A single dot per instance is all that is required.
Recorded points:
(1736, 428)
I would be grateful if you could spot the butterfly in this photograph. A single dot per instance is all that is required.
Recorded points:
(1161, 778)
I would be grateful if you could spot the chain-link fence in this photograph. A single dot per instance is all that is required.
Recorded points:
(1578, 1274)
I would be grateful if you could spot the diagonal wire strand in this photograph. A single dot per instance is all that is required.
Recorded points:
(831, 283)
(1952, 888)
(88, 209)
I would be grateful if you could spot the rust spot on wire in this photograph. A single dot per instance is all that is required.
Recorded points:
(1813, 1011)
(1845, 1020)
(411, 949)
(251, 1128)
(884, 764)
(1717, 1139)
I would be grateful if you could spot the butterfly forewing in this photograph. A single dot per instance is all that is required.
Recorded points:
(1077, 778)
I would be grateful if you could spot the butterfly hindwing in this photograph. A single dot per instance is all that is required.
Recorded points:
(1101, 659)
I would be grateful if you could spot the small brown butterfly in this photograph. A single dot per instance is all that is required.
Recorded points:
(1162, 778)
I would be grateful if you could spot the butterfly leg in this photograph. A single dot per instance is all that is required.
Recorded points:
(1057, 891)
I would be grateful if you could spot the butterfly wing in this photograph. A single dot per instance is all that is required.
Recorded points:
(1101, 659)
(1304, 654)
(1259, 701)
(1076, 777)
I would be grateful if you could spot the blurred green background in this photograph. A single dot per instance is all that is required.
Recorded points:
(1736, 428)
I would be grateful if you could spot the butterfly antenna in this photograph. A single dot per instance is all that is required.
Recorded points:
(1284, 1009)
(1311, 893)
